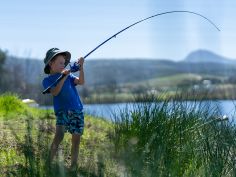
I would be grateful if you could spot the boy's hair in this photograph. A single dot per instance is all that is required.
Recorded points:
(50, 56)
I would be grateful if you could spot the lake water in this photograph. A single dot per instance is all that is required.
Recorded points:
(107, 111)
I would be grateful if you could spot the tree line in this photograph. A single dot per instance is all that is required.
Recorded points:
(14, 80)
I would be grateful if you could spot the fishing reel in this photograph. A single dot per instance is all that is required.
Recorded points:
(75, 67)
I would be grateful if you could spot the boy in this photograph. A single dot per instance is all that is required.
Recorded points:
(66, 101)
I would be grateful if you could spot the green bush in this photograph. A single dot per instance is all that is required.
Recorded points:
(11, 106)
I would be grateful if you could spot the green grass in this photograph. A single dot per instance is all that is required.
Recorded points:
(169, 82)
(110, 97)
(179, 140)
(13, 108)
(26, 135)
(155, 139)
(173, 81)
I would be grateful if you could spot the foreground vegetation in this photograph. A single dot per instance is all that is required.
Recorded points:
(173, 138)
(156, 138)
(25, 138)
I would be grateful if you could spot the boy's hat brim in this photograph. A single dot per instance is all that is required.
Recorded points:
(51, 53)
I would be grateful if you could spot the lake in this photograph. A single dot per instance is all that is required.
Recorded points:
(107, 111)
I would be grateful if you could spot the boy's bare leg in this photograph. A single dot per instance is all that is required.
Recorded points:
(75, 150)
(56, 141)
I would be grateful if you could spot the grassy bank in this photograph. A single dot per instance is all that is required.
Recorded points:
(25, 138)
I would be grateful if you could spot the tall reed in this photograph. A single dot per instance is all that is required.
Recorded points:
(175, 138)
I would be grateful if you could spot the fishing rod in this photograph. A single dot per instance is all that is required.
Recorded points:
(76, 66)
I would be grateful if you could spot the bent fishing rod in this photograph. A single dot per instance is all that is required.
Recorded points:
(76, 66)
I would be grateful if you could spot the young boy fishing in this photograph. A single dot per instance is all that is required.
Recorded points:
(68, 107)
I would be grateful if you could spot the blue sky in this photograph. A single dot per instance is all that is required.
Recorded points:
(30, 28)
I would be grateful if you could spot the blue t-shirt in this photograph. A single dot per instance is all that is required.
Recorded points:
(68, 98)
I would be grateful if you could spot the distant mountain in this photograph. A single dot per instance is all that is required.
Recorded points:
(205, 56)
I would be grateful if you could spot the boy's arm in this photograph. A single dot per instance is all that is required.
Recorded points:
(56, 90)
(80, 80)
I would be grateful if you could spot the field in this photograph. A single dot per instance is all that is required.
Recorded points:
(211, 87)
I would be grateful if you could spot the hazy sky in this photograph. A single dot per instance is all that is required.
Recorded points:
(30, 28)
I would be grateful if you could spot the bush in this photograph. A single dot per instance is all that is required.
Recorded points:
(11, 106)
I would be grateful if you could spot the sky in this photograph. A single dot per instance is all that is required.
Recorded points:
(30, 28)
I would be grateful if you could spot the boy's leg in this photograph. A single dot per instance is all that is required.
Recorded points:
(56, 141)
(75, 149)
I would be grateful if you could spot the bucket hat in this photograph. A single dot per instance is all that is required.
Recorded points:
(51, 53)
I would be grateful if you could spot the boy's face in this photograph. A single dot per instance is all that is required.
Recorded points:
(58, 64)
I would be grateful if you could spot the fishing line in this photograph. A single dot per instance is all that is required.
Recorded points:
(75, 66)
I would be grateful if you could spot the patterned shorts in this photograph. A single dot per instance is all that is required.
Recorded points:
(72, 120)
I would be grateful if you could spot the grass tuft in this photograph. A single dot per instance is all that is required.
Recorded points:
(175, 138)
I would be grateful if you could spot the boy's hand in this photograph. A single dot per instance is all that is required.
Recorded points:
(65, 72)
(81, 62)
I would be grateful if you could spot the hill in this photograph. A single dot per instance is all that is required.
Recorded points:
(204, 56)
(119, 71)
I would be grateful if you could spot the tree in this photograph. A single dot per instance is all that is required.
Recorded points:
(3, 57)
